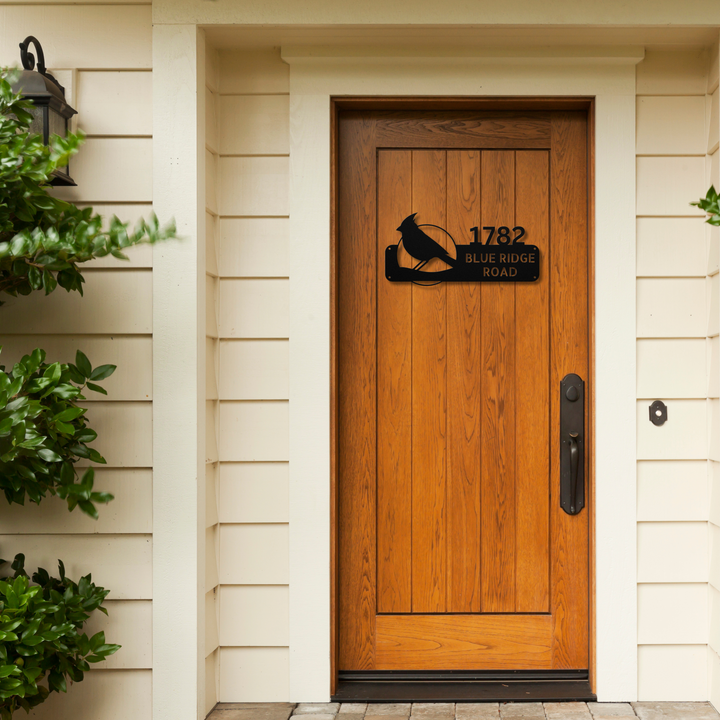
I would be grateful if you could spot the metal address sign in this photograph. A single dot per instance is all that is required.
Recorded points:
(509, 260)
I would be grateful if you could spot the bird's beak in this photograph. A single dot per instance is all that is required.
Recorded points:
(399, 229)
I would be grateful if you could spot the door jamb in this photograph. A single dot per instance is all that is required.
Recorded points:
(337, 104)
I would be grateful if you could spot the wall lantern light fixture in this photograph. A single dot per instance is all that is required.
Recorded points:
(51, 113)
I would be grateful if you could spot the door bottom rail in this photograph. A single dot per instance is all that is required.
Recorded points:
(462, 686)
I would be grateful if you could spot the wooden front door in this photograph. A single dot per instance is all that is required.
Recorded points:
(453, 550)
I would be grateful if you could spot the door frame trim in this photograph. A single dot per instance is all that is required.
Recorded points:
(337, 105)
(314, 82)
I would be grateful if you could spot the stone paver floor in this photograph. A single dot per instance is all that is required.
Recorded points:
(466, 711)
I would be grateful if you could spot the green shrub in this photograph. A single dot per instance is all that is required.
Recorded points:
(43, 432)
(41, 645)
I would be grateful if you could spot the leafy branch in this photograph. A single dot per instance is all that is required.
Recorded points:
(710, 205)
(43, 432)
(43, 238)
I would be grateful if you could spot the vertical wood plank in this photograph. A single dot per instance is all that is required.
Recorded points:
(394, 396)
(532, 377)
(463, 393)
(569, 353)
(498, 376)
(357, 391)
(429, 562)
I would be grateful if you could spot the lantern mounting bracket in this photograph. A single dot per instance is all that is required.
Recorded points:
(28, 59)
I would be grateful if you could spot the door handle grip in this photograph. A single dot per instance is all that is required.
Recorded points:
(572, 444)
(574, 464)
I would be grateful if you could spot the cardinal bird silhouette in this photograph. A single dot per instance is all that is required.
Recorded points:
(421, 246)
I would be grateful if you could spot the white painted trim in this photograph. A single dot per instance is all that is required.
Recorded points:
(179, 375)
(313, 80)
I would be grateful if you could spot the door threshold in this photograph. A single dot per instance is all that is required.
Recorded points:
(462, 687)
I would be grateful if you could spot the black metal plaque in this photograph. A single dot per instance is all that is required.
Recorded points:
(508, 261)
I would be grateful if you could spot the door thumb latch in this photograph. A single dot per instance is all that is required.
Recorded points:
(572, 444)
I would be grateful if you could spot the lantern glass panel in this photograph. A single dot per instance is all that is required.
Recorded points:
(58, 124)
(36, 126)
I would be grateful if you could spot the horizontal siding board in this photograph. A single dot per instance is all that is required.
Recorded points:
(714, 481)
(254, 492)
(124, 432)
(713, 296)
(254, 369)
(713, 248)
(714, 128)
(713, 414)
(111, 170)
(671, 368)
(672, 673)
(211, 252)
(714, 678)
(132, 354)
(671, 125)
(115, 103)
(212, 68)
(130, 511)
(138, 256)
(211, 306)
(211, 622)
(103, 694)
(128, 623)
(672, 614)
(672, 490)
(714, 532)
(682, 437)
(713, 365)
(254, 247)
(211, 438)
(254, 615)
(243, 72)
(254, 124)
(257, 308)
(254, 186)
(254, 554)
(212, 535)
(667, 185)
(679, 72)
(714, 615)
(671, 307)
(254, 674)
(672, 552)
(121, 563)
(211, 482)
(211, 368)
(212, 675)
(254, 431)
(211, 120)
(114, 302)
(671, 247)
(78, 36)
(211, 182)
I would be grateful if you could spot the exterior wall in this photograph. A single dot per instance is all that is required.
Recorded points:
(251, 235)
(112, 324)
(713, 235)
(212, 654)
(677, 333)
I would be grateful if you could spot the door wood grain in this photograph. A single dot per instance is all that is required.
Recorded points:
(453, 551)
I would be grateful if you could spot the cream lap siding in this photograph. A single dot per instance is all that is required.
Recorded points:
(212, 652)
(713, 354)
(112, 92)
(251, 237)
(676, 329)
